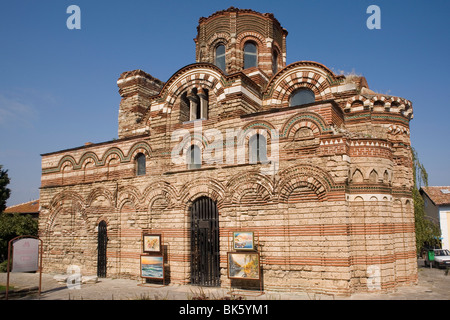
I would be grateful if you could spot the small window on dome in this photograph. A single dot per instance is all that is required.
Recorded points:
(250, 55)
(302, 96)
(220, 57)
(275, 62)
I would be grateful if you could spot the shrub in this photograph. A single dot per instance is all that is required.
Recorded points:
(12, 226)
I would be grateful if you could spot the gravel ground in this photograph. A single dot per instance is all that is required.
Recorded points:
(433, 284)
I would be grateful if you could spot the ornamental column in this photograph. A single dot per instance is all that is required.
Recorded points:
(203, 103)
(193, 105)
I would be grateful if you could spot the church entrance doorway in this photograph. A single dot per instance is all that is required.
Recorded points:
(205, 262)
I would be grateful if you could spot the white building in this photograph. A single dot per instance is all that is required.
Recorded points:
(437, 208)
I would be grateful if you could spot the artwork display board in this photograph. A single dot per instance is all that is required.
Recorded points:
(152, 267)
(151, 243)
(244, 265)
(243, 240)
(243, 258)
(152, 259)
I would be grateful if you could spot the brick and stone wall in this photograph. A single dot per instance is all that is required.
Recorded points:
(332, 205)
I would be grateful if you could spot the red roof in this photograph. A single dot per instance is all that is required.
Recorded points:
(439, 195)
(27, 207)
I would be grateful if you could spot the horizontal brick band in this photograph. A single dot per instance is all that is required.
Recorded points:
(285, 260)
(307, 230)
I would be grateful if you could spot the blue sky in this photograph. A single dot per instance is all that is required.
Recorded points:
(58, 86)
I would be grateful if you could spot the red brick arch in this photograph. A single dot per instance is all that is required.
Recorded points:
(317, 180)
(303, 74)
(196, 188)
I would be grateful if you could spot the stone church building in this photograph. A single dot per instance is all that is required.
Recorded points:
(315, 164)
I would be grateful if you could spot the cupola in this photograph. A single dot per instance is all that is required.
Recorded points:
(242, 40)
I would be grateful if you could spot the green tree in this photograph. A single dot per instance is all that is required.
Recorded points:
(11, 226)
(427, 232)
(4, 191)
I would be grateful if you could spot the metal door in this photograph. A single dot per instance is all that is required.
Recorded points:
(205, 262)
(102, 243)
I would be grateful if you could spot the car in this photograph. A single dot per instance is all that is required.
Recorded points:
(441, 258)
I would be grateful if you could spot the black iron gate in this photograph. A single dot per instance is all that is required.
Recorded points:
(205, 259)
(102, 243)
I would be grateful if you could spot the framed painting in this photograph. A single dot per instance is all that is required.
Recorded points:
(152, 267)
(243, 240)
(243, 265)
(152, 243)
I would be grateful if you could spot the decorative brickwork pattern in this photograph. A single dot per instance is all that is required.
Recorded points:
(332, 201)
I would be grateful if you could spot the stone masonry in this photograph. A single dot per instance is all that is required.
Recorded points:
(331, 207)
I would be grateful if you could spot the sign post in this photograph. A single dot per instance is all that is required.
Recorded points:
(26, 257)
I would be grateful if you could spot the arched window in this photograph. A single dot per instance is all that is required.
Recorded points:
(275, 62)
(140, 164)
(194, 158)
(257, 148)
(302, 96)
(220, 57)
(194, 104)
(250, 55)
(184, 107)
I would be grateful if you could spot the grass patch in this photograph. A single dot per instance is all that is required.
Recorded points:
(200, 294)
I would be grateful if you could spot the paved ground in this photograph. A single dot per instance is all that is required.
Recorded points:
(433, 284)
